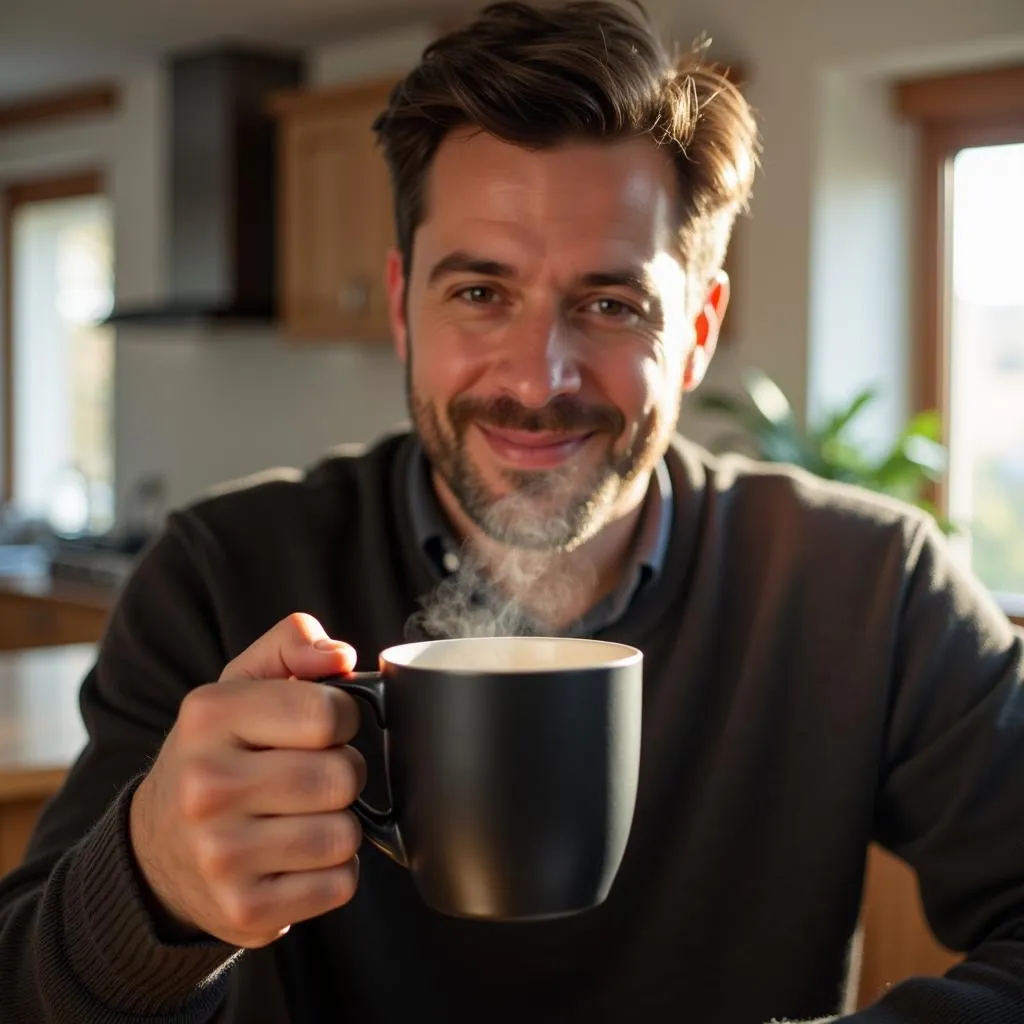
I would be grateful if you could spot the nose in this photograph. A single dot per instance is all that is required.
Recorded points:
(539, 362)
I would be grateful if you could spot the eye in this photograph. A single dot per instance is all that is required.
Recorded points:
(477, 294)
(615, 310)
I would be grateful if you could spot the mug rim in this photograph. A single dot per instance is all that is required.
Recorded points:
(630, 655)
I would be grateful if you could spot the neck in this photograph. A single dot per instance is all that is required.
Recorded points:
(555, 588)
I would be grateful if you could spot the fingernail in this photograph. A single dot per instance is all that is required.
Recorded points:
(330, 646)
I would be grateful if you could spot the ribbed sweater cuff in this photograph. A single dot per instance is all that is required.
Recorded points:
(111, 939)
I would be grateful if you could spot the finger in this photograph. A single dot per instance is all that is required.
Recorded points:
(276, 902)
(304, 782)
(263, 713)
(297, 645)
(299, 842)
(266, 782)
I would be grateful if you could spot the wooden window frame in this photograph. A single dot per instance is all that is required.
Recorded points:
(951, 112)
(14, 195)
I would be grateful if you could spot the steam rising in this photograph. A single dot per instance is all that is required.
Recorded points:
(531, 590)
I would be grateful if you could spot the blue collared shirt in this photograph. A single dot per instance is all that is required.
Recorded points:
(647, 560)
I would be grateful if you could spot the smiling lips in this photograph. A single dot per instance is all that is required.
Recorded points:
(534, 449)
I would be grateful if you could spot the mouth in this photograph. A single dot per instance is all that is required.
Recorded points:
(534, 449)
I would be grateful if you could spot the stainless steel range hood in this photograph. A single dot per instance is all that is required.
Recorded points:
(222, 190)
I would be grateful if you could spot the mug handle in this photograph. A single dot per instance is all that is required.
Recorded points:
(380, 826)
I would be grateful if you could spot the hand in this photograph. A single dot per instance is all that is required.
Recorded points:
(241, 828)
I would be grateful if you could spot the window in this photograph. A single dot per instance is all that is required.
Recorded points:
(986, 415)
(59, 362)
(971, 307)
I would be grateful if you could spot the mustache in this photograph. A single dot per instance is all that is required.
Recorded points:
(562, 414)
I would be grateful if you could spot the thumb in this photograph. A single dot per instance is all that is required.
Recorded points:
(297, 646)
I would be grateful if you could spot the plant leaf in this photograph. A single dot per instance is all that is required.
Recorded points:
(929, 455)
(784, 445)
(776, 441)
(768, 398)
(842, 418)
(719, 401)
(927, 424)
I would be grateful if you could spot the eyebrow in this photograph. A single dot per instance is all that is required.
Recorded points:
(638, 281)
(460, 262)
(466, 263)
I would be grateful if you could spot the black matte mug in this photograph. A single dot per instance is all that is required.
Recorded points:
(512, 768)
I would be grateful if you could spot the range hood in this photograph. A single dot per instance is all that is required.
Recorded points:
(221, 218)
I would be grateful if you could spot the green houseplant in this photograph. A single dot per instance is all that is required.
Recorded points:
(766, 427)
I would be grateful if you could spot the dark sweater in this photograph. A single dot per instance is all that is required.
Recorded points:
(817, 675)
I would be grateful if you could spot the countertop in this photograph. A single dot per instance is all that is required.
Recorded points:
(49, 588)
(41, 731)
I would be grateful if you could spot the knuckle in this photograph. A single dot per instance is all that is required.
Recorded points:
(340, 885)
(343, 838)
(357, 766)
(298, 625)
(340, 785)
(317, 715)
(215, 855)
(353, 834)
(348, 714)
(328, 778)
(200, 708)
(333, 887)
(203, 789)
(332, 841)
(242, 911)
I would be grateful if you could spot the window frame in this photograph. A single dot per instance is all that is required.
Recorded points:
(88, 182)
(951, 113)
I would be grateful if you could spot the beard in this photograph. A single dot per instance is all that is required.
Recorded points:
(553, 510)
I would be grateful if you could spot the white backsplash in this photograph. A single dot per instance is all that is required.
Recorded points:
(200, 408)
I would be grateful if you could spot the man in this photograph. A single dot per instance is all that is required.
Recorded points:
(817, 673)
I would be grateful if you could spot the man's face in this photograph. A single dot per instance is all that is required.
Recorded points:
(546, 332)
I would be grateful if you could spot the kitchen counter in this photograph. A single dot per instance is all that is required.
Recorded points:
(47, 611)
(41, 733)
(49, 588)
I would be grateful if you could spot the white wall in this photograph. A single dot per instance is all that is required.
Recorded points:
(347, 60)
(820, 300)
(203, 408)
(860, 306)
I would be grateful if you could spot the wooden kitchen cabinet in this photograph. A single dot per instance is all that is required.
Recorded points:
(334, 214)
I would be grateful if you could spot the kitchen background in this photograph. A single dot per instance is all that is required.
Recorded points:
(169, 404)
(822, 279)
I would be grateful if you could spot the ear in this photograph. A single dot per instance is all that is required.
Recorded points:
(706, 328)
(394, 282)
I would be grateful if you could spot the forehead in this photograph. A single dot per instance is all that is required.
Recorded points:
(600, 200)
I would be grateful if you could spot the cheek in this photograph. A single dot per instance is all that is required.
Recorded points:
(444, 364)
(667, 383)
(635, 384)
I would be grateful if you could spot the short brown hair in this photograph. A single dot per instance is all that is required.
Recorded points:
(538, 76)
